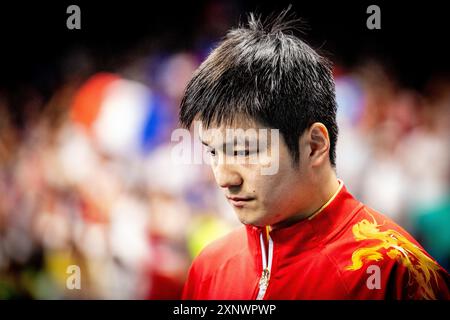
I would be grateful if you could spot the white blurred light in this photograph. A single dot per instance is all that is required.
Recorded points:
(75, 155)
(119, 125)
(164, 174)
(129, 231)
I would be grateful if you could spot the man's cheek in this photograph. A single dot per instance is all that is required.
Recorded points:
(270, 160)
(268, 165)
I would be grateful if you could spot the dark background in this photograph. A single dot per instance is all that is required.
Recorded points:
(413, 37)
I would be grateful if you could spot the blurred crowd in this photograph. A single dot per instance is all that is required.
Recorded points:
(87, 179)
(393, 151)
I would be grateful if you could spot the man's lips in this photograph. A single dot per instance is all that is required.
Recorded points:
(239, 201)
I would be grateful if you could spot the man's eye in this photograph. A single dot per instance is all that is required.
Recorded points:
(241, 153)
(211, 152)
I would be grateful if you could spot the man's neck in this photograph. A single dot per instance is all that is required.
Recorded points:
(325, 192)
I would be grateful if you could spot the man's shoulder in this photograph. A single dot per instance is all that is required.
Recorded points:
(370, 225)
(372, 241)
(370, 237)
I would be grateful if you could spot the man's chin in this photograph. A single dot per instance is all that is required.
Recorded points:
(252, 221)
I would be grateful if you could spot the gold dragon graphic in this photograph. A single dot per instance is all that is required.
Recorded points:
(421, 268)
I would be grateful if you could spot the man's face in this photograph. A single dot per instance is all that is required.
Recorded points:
(258, 196)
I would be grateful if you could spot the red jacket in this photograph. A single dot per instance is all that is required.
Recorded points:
(346, 251)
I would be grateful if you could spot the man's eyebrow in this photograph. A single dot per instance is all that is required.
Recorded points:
(223, 145)
(231, 144)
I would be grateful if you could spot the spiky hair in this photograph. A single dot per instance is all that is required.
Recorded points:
(262, 71)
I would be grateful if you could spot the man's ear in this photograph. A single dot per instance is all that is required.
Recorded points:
(318, 142)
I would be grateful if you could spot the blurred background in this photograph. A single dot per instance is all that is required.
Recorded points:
(86, 176)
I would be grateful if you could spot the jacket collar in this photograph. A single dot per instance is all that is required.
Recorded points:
(311, 232)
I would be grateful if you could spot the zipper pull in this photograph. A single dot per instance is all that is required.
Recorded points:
(263, 283)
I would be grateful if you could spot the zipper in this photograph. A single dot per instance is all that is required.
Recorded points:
(266, 266)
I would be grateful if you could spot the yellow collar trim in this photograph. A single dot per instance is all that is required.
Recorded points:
(268, 229)
(341, 184)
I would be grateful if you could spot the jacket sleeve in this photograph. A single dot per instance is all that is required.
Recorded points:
(422, 282)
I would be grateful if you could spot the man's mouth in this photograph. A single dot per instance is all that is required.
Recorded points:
(239, 201)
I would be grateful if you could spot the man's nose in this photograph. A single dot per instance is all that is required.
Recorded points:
(227, 176)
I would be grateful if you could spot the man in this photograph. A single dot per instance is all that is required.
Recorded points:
(304, 235)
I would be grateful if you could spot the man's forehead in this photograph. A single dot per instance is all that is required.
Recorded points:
(239, 130)
(236, 122)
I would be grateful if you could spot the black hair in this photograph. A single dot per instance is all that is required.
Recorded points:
(262, 71)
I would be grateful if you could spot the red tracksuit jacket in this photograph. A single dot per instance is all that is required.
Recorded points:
(346, 251)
